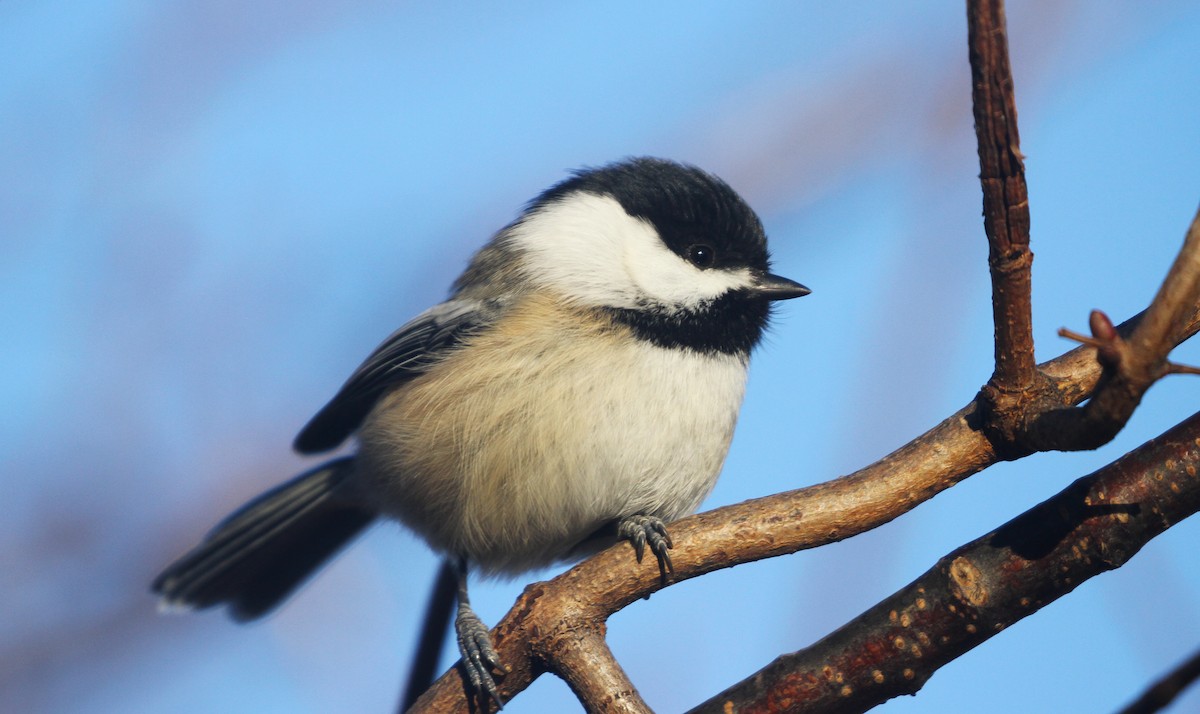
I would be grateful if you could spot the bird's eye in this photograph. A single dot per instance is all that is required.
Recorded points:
(701, 256)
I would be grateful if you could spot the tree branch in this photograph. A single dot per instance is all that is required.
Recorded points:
(1096, 524)
(586, 663)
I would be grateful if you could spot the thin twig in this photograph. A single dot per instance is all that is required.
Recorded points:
(1130, 365)
(1165, 690)
(1155, 335)
(1005, 196)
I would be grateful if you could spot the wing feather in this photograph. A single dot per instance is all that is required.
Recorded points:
(406, 353)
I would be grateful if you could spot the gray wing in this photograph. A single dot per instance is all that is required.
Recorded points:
(407, 353)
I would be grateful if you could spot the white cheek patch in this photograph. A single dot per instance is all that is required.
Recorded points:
(670, 280)
(588, 248)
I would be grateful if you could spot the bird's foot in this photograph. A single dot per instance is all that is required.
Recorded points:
(479, 659)
(640, 531)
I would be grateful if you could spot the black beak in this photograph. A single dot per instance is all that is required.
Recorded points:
(775, 287)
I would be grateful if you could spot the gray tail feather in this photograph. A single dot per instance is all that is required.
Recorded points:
(262, 552)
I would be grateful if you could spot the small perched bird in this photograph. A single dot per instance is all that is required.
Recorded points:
(579, 386)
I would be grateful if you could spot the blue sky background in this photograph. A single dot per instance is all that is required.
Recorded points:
(211, 212)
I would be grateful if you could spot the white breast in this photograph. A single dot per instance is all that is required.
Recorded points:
(513, 451)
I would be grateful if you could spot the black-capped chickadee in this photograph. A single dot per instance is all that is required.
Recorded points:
(580, 385)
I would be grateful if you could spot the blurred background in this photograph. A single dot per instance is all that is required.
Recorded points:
(210, 212)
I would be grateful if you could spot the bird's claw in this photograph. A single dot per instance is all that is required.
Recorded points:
(479, 658)
(640, 531)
